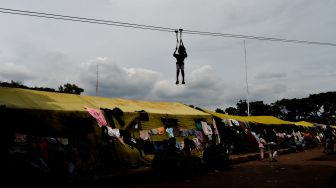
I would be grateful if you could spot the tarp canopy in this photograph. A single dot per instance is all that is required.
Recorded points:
(51, 108)
(265, 120)
(304, 124)
(32, 99)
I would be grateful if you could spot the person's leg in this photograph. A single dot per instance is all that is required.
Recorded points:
(261, 153)
(177, 75)
(275, 152)
(270, 152)
(182, 71)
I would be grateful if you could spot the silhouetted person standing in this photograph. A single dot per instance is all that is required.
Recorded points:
(180, 56)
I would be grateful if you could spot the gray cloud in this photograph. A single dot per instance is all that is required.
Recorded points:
(203, 86)
(115, 80)
(268, 92)
(263, 76)
(139, 63)
(15, 72)
(36, 66)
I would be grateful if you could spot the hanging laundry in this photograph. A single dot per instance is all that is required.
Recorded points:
(197, 144)
(176, 132)
(215, 127)
(200, 136)
(227, 122)
(144, 134)
(184, 132)
(113, 132)
(109, 116)
(170, 132)
(198, 126)
(206, 128)
(235, 122)
(119, 115)
(179, 145)
(153, 132)
(191, 132)
(215, 131)
(161, 130)
(179, 132)
(143, 115)
(98, 115)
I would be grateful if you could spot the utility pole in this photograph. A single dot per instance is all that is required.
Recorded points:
(247, 88)
(97, 81)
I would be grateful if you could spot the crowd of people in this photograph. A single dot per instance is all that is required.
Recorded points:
(70, 158)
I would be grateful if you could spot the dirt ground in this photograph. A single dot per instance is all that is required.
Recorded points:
(311, 168)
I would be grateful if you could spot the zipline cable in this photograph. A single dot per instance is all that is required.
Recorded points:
(82, 18)
(87, 21)
(154, 28)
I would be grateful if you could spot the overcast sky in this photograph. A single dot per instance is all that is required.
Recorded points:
(138, 64)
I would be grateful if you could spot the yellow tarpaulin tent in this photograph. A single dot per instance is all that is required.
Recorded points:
(304, 123)
(51, 107)
(266, 120)
(32, 99)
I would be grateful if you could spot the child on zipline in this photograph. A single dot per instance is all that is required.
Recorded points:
(180, 56)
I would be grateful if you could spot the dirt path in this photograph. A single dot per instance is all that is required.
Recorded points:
(310, 168)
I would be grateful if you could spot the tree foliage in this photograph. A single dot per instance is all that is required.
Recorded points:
(317, 108)
(218, 110)
(66, 88)
(70, 88)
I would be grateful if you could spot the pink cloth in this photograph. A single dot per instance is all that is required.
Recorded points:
(144, 134)
(98, 115)
(215, 127)
(206, 128)
(261, 142)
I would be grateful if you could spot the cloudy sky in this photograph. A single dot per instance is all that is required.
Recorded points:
(138, 64)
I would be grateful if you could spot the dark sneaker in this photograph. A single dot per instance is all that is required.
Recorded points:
(177, 82)
(183, 82)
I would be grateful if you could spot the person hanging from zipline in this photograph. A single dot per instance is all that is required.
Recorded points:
(180, 54)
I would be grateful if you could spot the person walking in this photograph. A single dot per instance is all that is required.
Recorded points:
(261, 144)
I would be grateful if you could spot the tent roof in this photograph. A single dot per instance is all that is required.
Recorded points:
(16, 98)
(304, 123)
(63, 114)
(267, 120)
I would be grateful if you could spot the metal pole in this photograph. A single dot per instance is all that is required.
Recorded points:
(97, 81)
(247, 88)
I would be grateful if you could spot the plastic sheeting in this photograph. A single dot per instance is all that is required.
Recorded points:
(265, 120)
(58, 107)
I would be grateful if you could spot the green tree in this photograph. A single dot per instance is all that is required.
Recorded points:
(70, 88)
(218, 110)
(231, 111)
(241, 108)
(258, 108)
